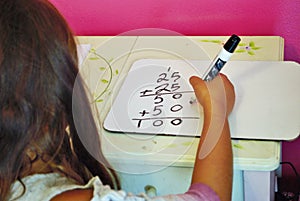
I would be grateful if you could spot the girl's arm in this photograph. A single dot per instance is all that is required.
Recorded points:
(213, 164)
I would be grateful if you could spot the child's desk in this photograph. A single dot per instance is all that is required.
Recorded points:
(166, 162)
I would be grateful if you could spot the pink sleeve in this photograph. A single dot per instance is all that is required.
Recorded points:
(196, 192)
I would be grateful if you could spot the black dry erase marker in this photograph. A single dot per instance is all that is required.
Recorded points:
(223, 56)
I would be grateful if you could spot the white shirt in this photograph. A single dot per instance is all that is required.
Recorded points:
(43, 187)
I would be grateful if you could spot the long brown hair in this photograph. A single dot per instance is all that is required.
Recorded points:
(38, 69)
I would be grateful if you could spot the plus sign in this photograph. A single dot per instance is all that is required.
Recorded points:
(144, 112)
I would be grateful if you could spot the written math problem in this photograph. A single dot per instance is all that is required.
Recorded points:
(155, 99)
(166, 89)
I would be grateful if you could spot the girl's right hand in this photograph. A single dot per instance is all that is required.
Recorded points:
(217, 94)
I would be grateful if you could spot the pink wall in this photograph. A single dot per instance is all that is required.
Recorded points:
(189, 17)
(193, 17)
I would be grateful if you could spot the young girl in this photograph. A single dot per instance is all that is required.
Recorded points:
(42, 157)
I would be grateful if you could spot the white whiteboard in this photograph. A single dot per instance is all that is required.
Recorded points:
(155, 99)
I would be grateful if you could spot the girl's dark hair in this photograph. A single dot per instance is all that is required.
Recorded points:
(38, 69)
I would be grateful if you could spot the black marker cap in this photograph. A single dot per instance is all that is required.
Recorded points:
(232, 43)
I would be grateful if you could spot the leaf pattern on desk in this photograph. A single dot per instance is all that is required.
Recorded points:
(106, 80)
(248, 48)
